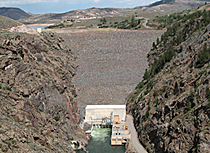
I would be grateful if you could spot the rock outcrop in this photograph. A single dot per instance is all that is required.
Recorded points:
(171, 106)
(38, 109)
(22, 28)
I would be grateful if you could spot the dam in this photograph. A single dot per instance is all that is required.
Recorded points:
(109, 116)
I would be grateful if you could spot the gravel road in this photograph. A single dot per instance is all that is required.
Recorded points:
(111, 64)
(134, 139)
(145, 24)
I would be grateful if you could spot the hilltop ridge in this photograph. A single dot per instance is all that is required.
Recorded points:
(163, 5)
(13, 13)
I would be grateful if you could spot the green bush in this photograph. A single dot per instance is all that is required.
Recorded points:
(208, 93)
(156, 102)
(203, 57)
(8, 88)
(104, 26)
(146, 115)
(55, 26)
(190, 99)
(56, 118)
(155, 93)
(158, 64)
(140, 85)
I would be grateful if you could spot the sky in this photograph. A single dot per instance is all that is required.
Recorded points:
(61, 6)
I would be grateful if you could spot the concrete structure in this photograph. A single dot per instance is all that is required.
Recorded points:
(105, 113)
(103, 116)
(120, 134)
(39, 30)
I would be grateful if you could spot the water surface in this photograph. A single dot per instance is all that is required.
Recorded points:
(101, 142)
(38, 26)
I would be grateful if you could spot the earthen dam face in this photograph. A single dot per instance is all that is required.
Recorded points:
(110, 64)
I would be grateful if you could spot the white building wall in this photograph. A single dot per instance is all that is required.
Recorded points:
(97, 112)
(39, 30)
(121, 113)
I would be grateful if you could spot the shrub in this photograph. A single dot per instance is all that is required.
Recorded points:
(190, 99)
(146, 115)
(203, 57)
(158, 64)
(56, 118)
(149, 108)
(8, 88)
(140, 85)
(42, 72)
(155, 93)
(208, 93)
(55, 26)
(156, 101)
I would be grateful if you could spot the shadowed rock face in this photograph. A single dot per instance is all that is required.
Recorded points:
(38, 109)
(172, 109)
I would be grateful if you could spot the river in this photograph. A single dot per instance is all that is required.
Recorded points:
(100, 142)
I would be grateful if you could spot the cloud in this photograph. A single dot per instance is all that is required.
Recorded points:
(12, 2)
(96, 1)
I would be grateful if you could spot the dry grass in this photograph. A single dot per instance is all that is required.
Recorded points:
(6, 23)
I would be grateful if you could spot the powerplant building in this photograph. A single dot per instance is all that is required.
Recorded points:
(105, 113)
(100, 116)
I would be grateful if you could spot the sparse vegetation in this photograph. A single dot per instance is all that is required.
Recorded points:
(203, 57)
(6, 23)
(128, 23)
(158, 64)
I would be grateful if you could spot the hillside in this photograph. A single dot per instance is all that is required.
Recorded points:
(38, 109)
(6, 23)
(13, 13)
(75, 14)
(178, 5)
(171, 106)
(91, 13)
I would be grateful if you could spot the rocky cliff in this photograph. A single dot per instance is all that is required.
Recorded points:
(38, 109)
(171, 106)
